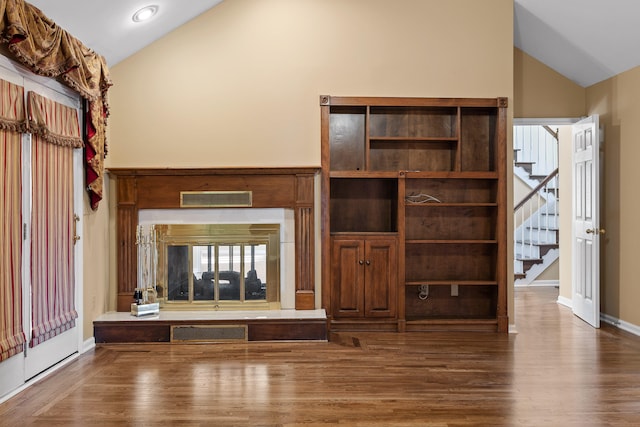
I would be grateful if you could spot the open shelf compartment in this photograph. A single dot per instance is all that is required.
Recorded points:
(451, 262)
(364, 205)
(347, 138)
(478, 139)
(433, 222)
(471, 302)
(416, 122)
(446, 191)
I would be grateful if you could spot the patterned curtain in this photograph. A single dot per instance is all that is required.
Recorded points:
(12, 125)
(56, 131)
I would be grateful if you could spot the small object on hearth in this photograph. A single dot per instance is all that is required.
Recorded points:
(152, 295)
(145, 309)
(137, 296)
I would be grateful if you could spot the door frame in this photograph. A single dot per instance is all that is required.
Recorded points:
(564, 147)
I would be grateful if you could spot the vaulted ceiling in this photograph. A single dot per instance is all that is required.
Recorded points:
(107, 27)
(585, 40)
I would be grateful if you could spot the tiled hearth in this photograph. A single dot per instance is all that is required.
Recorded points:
(265, 325)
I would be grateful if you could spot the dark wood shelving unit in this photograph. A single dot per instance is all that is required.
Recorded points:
(414, 213)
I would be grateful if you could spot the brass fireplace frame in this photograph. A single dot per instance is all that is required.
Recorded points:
(219, 234)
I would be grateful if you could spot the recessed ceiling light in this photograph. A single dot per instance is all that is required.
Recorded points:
(145, 13)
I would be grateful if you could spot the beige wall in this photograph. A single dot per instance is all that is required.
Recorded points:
(239, 85)
(539, 91)
(616, 101)
(97, 297)
(551, 274)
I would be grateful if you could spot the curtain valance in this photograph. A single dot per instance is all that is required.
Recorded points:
(49, 50)
(12, 116)
(54, 122)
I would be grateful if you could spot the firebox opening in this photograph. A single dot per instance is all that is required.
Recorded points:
(219, 266)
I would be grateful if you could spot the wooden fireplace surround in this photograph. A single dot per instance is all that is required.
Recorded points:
(160, 189)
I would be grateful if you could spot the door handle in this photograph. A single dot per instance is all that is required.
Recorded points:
(595, 231)
(76, 218)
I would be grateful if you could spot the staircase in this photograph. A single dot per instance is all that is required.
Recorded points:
(536, 215)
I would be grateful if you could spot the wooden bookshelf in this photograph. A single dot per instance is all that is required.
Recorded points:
(423, 181)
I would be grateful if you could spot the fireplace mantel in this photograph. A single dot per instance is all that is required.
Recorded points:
(290, 188)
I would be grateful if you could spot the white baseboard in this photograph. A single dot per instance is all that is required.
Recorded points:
(614, 321)
(545, 283)
(39, 377)
(625, 326)
(88, 345)
(537, 283)
(565, 301)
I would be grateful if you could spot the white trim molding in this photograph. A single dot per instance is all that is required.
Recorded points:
(548, 121)
(39, 377)
(625, 326)
(567, 302)
(538, 284)
(88, 344)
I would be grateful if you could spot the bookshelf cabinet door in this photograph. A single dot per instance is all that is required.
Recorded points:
(347, 281)
(381, 277)
(364, 277)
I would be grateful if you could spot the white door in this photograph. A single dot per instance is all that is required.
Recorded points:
(586, 229)
(17, 370)
(53, 350)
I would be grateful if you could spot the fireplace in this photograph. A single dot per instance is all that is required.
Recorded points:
(278, 196)
(223, 259)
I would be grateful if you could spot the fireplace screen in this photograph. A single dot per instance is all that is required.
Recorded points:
(220, 265)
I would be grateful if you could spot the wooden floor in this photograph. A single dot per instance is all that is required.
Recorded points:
(556, 371)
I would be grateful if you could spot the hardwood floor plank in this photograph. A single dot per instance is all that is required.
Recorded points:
(556, 371)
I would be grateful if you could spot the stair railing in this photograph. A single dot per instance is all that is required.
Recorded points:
(535, 218)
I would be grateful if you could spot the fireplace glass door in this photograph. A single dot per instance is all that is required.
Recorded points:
(222, 269)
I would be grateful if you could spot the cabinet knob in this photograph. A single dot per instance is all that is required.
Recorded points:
(361, 262)
(368, 262)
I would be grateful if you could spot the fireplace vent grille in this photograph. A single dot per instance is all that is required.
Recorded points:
(207, 333)
(215, 199)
